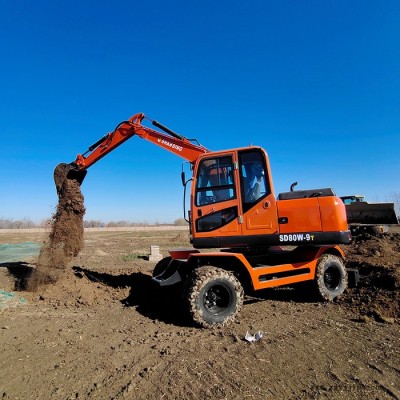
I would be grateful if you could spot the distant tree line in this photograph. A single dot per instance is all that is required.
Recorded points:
(22, 223)
(27, 223)
(123, 223)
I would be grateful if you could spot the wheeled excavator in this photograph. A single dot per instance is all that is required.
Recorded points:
(260, 240)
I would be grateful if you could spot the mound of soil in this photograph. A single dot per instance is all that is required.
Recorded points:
(66, 236)
(377, 258)
(78, 288)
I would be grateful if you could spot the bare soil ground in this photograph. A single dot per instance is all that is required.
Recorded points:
(103, 331)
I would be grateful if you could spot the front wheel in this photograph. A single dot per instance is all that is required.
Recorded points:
(214, 296)
(331, 277)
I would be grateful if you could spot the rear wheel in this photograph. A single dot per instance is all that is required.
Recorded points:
(331, 277)
(214, 296)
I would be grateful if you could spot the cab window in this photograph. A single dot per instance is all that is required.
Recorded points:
(253, 178)
(215, 181)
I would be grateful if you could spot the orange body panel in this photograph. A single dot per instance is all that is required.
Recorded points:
(307, 269)
(333, 214)
(316, 214)
(261, 219)
(300, 269)
(303, 215)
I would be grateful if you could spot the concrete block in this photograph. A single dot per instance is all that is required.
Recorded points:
(155, 254)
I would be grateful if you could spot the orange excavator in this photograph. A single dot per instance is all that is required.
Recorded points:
(260, 240)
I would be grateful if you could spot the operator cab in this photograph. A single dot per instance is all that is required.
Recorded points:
(229, 188)
(233, 205)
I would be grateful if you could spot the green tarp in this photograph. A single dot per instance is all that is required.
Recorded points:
(18, 251)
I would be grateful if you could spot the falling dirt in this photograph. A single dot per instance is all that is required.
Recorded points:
(66, 237)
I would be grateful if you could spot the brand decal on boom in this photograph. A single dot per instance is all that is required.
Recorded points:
(169, 144)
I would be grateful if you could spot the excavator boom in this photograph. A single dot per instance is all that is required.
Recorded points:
(189, 149)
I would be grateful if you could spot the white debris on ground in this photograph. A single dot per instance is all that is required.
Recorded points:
(254, 338)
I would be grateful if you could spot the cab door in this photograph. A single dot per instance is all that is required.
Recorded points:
(215, 208)
(257, 196)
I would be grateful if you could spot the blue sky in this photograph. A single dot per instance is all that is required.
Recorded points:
(316, 83)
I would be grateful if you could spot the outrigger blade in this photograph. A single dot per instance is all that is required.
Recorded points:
(65, 171)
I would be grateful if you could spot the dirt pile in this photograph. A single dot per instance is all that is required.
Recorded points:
(377, 258)
(66, 236)
(78, 288)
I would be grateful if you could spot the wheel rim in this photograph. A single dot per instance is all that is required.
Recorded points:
(332, 278)
(216, 299)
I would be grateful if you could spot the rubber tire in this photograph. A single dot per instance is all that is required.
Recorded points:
(161, 266)
(331, 277)
(207, 284)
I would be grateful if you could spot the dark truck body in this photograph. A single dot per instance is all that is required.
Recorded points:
(368, 216)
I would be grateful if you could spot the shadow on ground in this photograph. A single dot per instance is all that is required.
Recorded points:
(301, 293)
(163, 304)
(20, 271)
(157, 303)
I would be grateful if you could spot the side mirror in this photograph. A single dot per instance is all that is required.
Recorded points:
(183, 178)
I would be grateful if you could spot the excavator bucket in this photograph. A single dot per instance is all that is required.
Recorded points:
(371, 213)
(65, 171)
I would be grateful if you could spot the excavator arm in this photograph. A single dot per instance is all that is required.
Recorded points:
(189, 149)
